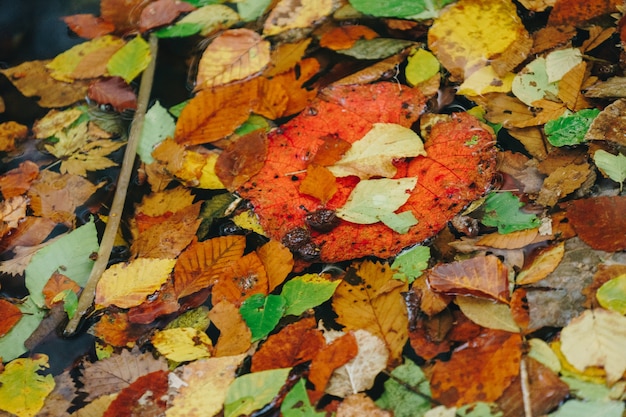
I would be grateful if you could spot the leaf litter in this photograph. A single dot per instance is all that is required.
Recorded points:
(324, 216)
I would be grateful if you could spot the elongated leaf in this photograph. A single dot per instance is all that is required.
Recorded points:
(378, 48)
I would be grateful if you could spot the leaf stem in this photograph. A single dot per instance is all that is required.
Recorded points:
(117, 207)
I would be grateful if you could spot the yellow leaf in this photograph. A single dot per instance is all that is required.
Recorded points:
(485, 80)
(296, 14)
(487, 313)
(128, 285)
(248, 220)
(159, 203)
(55, 121)
(372, 300)
(22, 389)
(204, 376)
(543, 263)
(472, 34)
(208, 178)
(319, 183)
(234, 55)
(91, 157)
(182, 344)
(213, 18)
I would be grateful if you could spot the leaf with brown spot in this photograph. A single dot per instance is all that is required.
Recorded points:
(163, 302)
(604, 230)
(10, 316)
(242, 159)
(278, 262)
(294, 344)
(235, 335)
(479, 370)
(370, 299)
(577, 12)
(610, 123)
(56, 285)
(202, 263)
(241, 279)
(481, 276)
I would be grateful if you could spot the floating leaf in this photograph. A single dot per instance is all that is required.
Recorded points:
(502, 211)
(234, 55)
(209, 19)
(603, 230)
(296, 14)
(130, 60)
(570, 130)
(579, 408)
(10, 316)
(12, 343)
(612, 294)
(115, 92)
(407, 392)
(159, 124)
(262, 313)
(377, 48)
(373, 154)
(182, 344)
(410, 263)
(22, 389)
(344, 37)
(577, 12)
(307, 291)
(613, 166)
(162, 12)
(250, 392)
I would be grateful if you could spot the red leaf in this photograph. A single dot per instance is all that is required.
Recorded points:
(604, 230)
(113, 91)
(10, 316)
(88, 26)
(165, 302)
(162, 12)
(576, 12)
(459, 167)
(151, 389)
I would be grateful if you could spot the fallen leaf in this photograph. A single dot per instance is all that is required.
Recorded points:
(331, 356)
(576, 12)
(12, 211)
(612, 166)
(407, 392)
(603, 230)
(17, 181)
(344, 37)
(370, 299)
(234, 55)
(292, 14)
(10, 132)
(605, 273)
(161, 13)
(541, 264)
(240, 279)
(297, 402)
(360, 405)
(277, 261)
(612, 294)
(481, 276)
(307, 291)
(163, 301)
(294, 344)
(182, 344)
(262, 313)
(562, 182)
(124, 14)
(398, 8)
(12, 344)
(569, 130)
(235, 336)
(114, 91)
(250, 392)
(319, 183)
(130, 60)
(583, 408)
(210, 19)
(128, 285)
(487, 313)
(502, 210)
(594, 339)
(493, 357)
(11, 315)
(22, 389)
(144, 395)
(242, 159)
(56, 285)
(88, 26)
(163, 202)
(608, 124)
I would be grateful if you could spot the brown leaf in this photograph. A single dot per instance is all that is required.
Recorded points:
(144, 396)
(478, 371)
(330, 357)
(165, 301)
(10, 132)
(166, 201)
(124, 14)
(344, 37)
(550, 37)
(369, 298)
(330, 151)
(88, 26)
(428, 335)
(31, 231)
(17, 181)
(540, 264)
(57, 284)
(482, 276)
(570, 86)
(562, 182)
(577, 12)
(242, 159)
(514, 240)
(235, 335)
(113, 91)
(278, 262)
(10, 316)
(240, 279)
(94, 64)
(202, 263)
(168, 239)
(604, 230)
(610, 123)
(161, 13)
(294, 344)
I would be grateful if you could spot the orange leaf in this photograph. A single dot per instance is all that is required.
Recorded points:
(605, 229)
(124, 14)
(146, 395)
(278, 262)
(215, 113)
(330, 151)
(168, 239)
(478, 371)
(242, 159)
(88, 26)
(94, 64)
(428, 335)
(577, 12)
(17, 181)
(235, 334)
(294, 344)
(204, 262)
(165, 302)
(57, 284)
(285, 57)
(330, 357)
(241, 279)
(482, 276)
(234, 55)
(10, 316)
(115, 329)
(369, 298)
(30, 232)
(541, 263)
(273, 99)
(166, 201)
(9, 133)
(344, 37)
(319, 183)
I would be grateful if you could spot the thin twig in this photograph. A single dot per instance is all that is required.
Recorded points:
(117, 207)
(528, 411)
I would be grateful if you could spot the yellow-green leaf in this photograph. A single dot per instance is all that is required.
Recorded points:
(22, 389)
(612, 294)
(130, 60)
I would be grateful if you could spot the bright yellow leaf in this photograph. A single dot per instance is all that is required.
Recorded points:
(234, 55)
(182, 344)
(128, 285)
(22, 389)
(485, 80)
(208, 178)
(296, 14)
(212, 375)
(472, 34)
(249, 221)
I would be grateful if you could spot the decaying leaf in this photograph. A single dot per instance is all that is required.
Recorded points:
(605, 229)
(182, 344)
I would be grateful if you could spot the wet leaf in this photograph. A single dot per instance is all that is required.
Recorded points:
(570, 129)
(502, 211)
(182, 344)
(262, 313)
(612, 294)
(407, 392)
(162, 12)
(336, 353)
(242, 159)
(377, 48)
(541, 265)
(344, 37)
(240, 280)
(208, 19)
(277, 261)
(88, 26)
(22, 389)
(578, 408)
(10, 132)
(307, 291)
(56, 285)
(579, 11)
(114, 91)
(487, 313)
(234, 55)
(10, 316)
(421, 66)
(235, 335)
(295, 14)
(12, 343)
(360, 405)
(319, 183)
(130, 60)
(297, 403)
(128, 285)
(250, 392)
(603, 230)
(608, 123)
(398, 8)
(146, 394)
(410, 263)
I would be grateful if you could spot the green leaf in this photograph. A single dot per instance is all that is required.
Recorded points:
(178, 108)
(254, 122)
(415, 9)
(372, 201)
(479, 409)
(262, 313)
(159, 124)
(213, 208)
(12, 343)
(577, 408)
(130, 60)
(586, 390)
(422, 65)
(502, 211)
(250, 10)
(252, 391)
(297, 403)
(211, 18)
(410, 263)
(377, 48)
(198, 319)
(532, 84)
(70, 302)
(612, 294)
(613, 166)
(69, 255)
(407, 392)
(179, 30)
(307, 291)
(570, 129)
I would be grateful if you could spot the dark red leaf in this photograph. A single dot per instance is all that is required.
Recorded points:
(151, 389)
(113, 91)
(604, 230)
